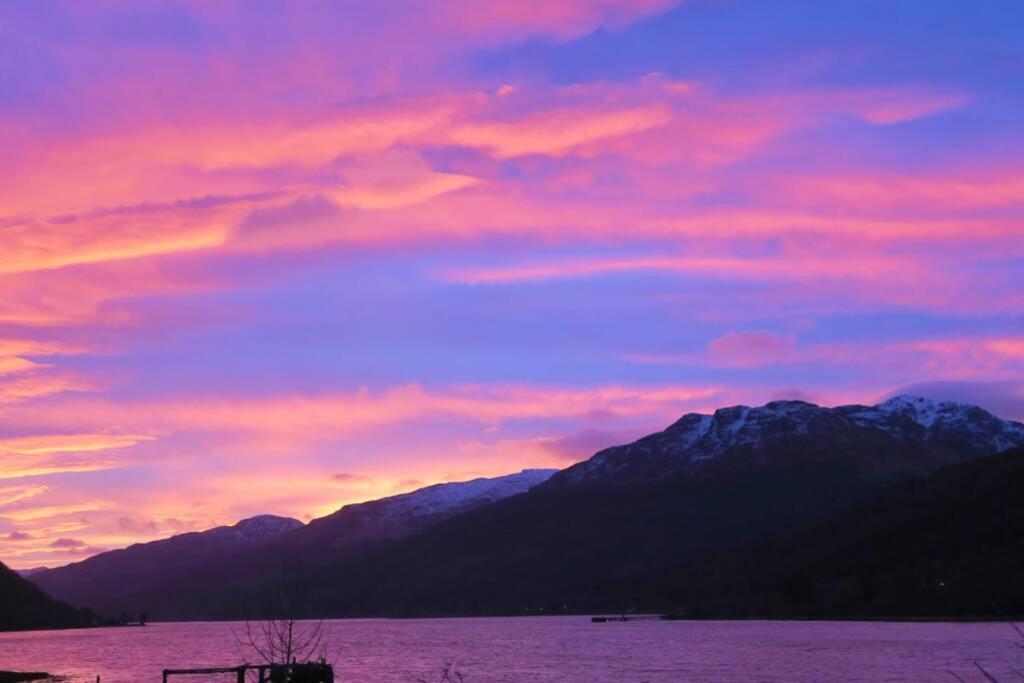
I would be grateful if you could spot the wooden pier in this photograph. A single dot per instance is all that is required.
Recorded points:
(268, 673)
(632, 617)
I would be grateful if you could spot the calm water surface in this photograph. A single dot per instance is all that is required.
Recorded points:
(555, 649)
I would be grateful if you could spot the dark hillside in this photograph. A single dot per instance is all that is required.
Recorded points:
(24, 606)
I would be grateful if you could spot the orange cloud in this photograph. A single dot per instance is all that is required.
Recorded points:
(14, 494)
(18, 466)
(14, 355)
(68, 443)
(38, 513)
(154, 172)
(393, 179)
(128, 233)
(22, 387)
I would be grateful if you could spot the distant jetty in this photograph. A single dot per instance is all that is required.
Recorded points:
(21, 677)
(634, 617)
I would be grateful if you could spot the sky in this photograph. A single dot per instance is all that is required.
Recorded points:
(275, 257)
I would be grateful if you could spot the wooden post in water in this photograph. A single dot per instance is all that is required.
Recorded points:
(241, 674)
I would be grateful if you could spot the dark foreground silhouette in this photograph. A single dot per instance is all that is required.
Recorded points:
(24, 606)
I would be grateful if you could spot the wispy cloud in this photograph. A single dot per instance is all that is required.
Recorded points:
(403, 242)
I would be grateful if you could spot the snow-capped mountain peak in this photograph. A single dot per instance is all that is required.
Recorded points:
(464, 494)
(399, 515)
(962, 430)
(265, 526)
(922, 410)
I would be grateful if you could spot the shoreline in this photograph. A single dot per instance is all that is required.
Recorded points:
(662, 617)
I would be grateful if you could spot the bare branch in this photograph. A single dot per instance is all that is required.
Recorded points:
(281, 638)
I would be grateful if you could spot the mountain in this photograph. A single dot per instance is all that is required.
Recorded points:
(915, 433)
(784, 510)
(96, 580)
(29, 572)
(24, 606)
(110, 581)
(398, 516)
(949, 544)
(694, 518)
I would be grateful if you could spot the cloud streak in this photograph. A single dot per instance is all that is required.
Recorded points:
(376, 245)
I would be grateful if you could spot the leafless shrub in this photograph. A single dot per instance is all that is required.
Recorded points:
(282, 638)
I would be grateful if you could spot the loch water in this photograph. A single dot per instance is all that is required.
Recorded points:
(549, 649)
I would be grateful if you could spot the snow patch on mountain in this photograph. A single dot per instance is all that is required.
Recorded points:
(444, 498)
(265, 526)
(924, 411)
(252, 530)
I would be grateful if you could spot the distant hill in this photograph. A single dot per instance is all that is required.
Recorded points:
(110, 581)
(24, 606)
(97, 580)
(30, 571)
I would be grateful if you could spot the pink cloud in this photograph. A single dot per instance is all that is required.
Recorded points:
(873, 191)
(582, 444)
(752, 348)
(557, 132)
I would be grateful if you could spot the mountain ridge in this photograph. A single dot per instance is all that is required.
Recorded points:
(961, 430)
(394, 516)
(135, 566)
(651, 525)
(98, 580)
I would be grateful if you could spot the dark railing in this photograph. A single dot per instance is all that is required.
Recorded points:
(268, 673)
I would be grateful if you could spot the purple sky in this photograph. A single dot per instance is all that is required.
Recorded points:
(277, 256)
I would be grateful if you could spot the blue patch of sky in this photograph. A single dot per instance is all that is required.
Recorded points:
(747, 44)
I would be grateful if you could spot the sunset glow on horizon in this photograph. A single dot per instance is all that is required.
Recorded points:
(263, 257)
